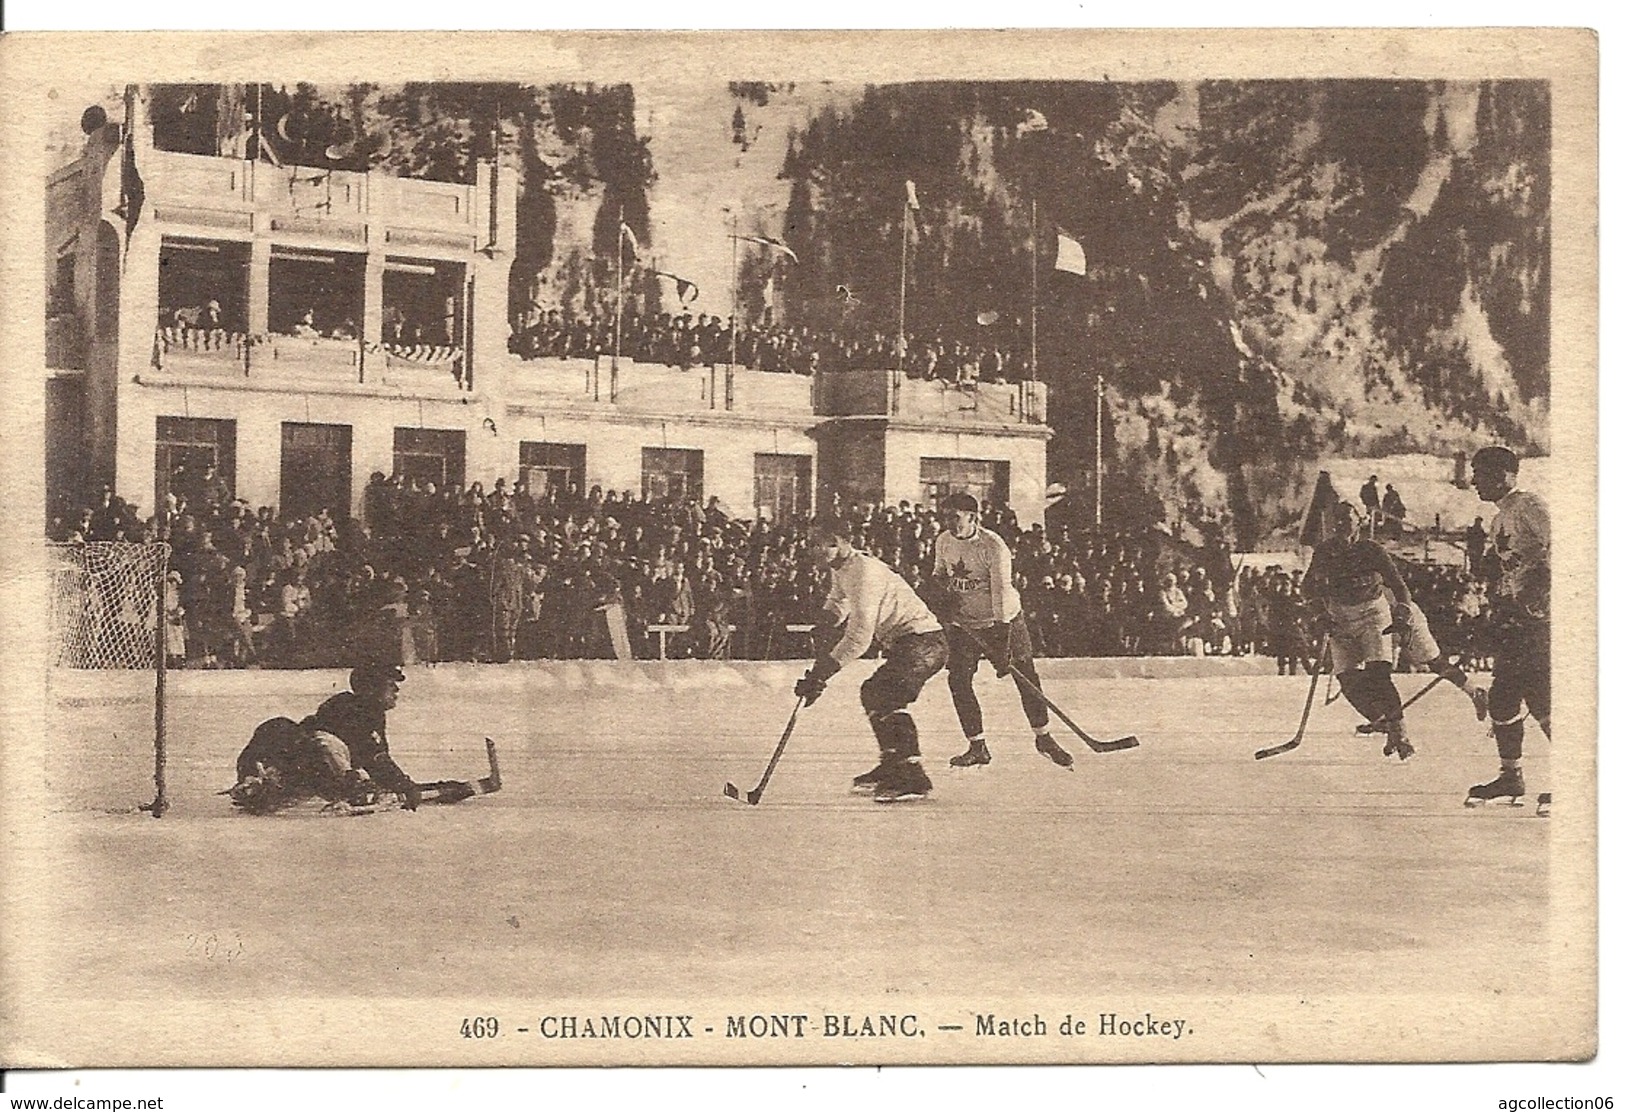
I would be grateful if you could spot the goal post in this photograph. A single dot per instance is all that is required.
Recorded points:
(107, 611)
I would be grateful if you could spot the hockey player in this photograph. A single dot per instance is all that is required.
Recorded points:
(356, 718)
(284, 763)
(340, 753)
(972, 569)
(1346, 577)
(869, 603)
(1520, 631)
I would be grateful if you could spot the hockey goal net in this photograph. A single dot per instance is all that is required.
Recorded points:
(107, 614)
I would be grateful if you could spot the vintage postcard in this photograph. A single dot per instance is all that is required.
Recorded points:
(799, 548)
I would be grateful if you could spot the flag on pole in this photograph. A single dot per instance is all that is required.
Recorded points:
(132, 191)
(775, 244)
(1069, 254)
(1317, 518)
(266, 148)
(687, 291)
(628, 235)
(913, 198)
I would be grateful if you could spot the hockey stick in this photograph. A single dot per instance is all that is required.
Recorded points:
(1128, 742)
(754, 796)
(1380, 724)
(1308, 704)
(1037, 692)
(493, 782)
(454, 791)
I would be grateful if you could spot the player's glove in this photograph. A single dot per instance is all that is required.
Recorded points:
(1401, 623)
(810, 686)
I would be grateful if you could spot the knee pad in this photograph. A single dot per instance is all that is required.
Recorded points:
(876, 697)
(1506, 705)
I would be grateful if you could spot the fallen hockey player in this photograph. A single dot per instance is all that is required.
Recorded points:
(341, 754)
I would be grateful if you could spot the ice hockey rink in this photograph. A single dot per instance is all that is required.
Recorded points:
(611, 869)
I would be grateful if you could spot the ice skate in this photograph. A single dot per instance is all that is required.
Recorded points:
(1508, 786)
(903, 782)
(867, 781)
(1399, 742)
(1047, 746)
(975, 754)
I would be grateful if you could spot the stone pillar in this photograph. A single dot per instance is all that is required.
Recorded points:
(259, 287)
(372, 303)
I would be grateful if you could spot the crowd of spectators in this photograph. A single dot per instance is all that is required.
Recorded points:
(429, 574)
(685, 341)
(1456, 600)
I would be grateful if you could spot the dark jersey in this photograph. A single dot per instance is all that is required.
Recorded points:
(1348, 574)
(359, 723)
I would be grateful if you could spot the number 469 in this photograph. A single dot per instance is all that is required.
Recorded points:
(480, 1027)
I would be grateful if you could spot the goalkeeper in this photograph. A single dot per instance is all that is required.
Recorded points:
(340, 753)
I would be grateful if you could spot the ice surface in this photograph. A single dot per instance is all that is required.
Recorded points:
(611, 866)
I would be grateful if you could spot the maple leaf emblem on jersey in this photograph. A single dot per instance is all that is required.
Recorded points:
(960, 580)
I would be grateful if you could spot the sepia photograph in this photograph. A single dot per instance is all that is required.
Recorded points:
(800, 549)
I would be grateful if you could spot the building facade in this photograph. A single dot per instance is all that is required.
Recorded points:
(288, 332)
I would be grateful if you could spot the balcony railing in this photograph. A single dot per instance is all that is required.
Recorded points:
(201, 351)
(659, 388)
(300, 360)
(877, 392)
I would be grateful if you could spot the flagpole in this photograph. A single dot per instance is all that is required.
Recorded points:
(1032, 369)
(1100, 394)
(620, 251)
(733, 320)
(902, 312)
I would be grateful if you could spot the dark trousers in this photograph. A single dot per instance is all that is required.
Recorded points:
(964, 653)
(886, 695)
(1522, 678)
